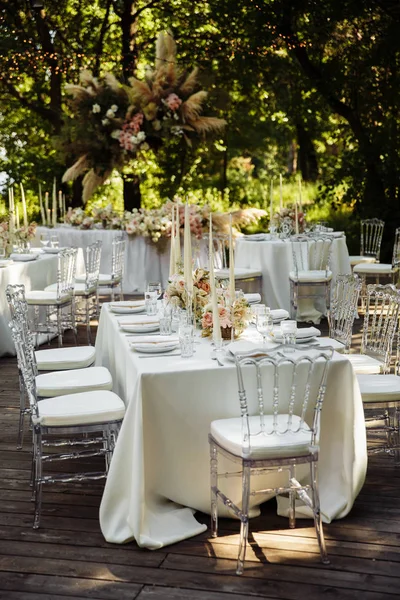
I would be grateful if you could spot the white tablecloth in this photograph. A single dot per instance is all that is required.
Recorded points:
(36, 275)
(143, 263)
(161, 460)
(274, 259)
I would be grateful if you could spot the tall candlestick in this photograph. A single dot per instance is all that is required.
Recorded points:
(42, 213)
(177, 239)
(187, 253)
(24, 207)
(296, 219)
(54, 207)
(64, 212)
(231, 265)
(271, 199)
(172, 261)
(11, 216)
(60, 203)
(17, 216)
(214, 302)
(280, 192)
(300, 198)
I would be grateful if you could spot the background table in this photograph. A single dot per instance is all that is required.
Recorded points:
(36, 274)
(161, 460)
(274, 259)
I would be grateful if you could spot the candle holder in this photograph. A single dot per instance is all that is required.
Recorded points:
(273, 232)
(227, 333)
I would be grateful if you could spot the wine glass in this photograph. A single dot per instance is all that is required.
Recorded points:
(264, 324)
(54, 241)
(44, 239)
(155, 286)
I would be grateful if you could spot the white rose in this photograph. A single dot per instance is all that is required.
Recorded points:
(115, 134)
(134, 139)
(110, 113)
(141, 136)
(114, 108)
(105, 122)
(96, 108)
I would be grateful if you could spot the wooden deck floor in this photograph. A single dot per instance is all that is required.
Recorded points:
(68, 557)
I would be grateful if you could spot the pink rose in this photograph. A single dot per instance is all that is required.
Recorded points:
(207, 320)
(173, 102)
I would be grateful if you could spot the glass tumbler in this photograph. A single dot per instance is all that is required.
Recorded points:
(165, 324)
(186, 340)
(150, 302)
(289, 330)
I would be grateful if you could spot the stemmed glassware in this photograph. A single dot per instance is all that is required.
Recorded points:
(44, 239)
(155, 286)
(264, 323)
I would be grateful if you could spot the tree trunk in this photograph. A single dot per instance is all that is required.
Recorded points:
(132, 195)
(306, 157)
(76, 199)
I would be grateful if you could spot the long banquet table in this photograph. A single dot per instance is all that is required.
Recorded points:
(274, 259)
(36, 274)
(159, 475)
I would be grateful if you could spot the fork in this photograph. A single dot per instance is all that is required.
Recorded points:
(220, 363)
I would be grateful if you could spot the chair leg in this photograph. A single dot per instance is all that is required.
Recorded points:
(244, 521)
(214, 487)
(59, 326)
(37, 484)
(22, 411)
(292, 501)
(317, 513)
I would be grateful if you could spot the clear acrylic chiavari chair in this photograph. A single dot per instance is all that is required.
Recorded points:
(86, 424)
(343, 309)
(370, 242)
(113, 280)
(278, 429)
(379, 329)
(86, 289)
(311, 270)
(58, 303)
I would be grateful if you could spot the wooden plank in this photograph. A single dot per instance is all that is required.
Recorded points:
(48, 586)
(169, 593)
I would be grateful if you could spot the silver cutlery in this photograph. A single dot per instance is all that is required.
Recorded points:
(220, 363)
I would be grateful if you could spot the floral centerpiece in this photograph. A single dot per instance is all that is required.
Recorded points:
(114, 123)
(25, 234)
(236, 317)
(4, 234)
(201, 291)
(287, 217)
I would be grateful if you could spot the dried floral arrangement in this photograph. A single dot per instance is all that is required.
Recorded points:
(115, 123)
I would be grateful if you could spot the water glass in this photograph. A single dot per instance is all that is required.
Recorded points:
(264, 324)
(186, 340)
(150, 302)
(155, 286)
(257, 309)
(44, 239)
(289, 330)
(165, 324)
(54, 241)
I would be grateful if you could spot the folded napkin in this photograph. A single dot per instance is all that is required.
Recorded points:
(278, 314)
(257, 237)
(304, 332)
(23, 257)
(154, 339)
(127, 304)
(242, 346)
(253, 298)
(138, 320)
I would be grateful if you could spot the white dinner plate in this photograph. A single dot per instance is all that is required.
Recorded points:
(300, 340)
(138, 328)
(127, 308)
(23, 257)
(155, 348)
(50, 250)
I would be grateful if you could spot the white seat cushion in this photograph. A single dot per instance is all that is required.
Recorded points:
(335, 344)
(61, 359)
(79, 289)
(375, 388)
(354, 260)
(362, 363)
(106, 279)
(313, 276)
(80, 278)
(80, 409)
(373, 268)
(46, 297)
(73, 381)
(228, 433)
(239, 273)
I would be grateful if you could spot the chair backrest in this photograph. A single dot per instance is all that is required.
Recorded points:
(371, 237)
(292, 390)
(380, 322)
(92, 264)
(343, 308)
(220, 244)
(19, 310)
(396, 250)
(117, 258)
(26, 365)
(311, 253)
(66, 271)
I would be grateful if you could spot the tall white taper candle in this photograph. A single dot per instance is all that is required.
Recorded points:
(42, 213)
(231, 264)
(25, 214)
(172, 261)
(187, 253)
(271, 200)
(296, 218)
(214, 301)
(300, 198)
(54, 208)
(280, 192)
(177, 239)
